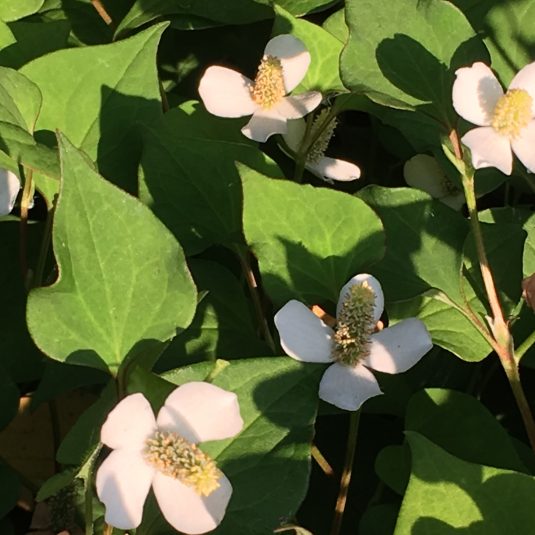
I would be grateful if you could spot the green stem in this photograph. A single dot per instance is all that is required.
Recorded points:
(322, 461)
(347, 472)
(524, 346)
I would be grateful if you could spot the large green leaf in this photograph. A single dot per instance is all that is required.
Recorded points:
(324, 49)
(447, 495)
(424, 242)
(309, 241)
(408, 51)
(18, 9)
(190, 181)
(268, 461)
(123, 284)
(100, 97)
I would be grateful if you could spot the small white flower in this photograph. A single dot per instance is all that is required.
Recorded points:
(505, 121)
(323, 167)
(191, 491)
(423, 172)
(353, 347)
(228, 93)
(9, 189)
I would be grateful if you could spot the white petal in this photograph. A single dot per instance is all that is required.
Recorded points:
(226, 93)
(129, 424)
(524, 146)
(423, 172)
(263, 124)
(9, 189)
(348, 387)
(489, 149)
(303, 335)
(201, 411)
(375, 286)
(295, 134)
(187, 511)
(398, 348)
(298, 106)
(475, 93)
(123, 481)
(294, 58)
(525, 79)
(332, 169)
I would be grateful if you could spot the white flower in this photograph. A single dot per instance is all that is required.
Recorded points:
(9, 189)
(228, 93)
(424, 173)
(353, 347)
(191, 491)
(323, 167)
(505, 121)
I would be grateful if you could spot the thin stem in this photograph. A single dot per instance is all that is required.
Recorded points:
(101, 10)
(347, 472)
(108, 530)
(322, 461)
(24, 207)
(524, 346)
(255, 296)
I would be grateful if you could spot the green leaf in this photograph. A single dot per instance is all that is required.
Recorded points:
(115, 93)
(123, 286)
(324, 49)
(308, 241)
(17, 9)
(409, 51)
(191, 183)
(528, 260)
(478, 436)
(392, 465)
(336, 26)
(223, 325)
(424, 239)
(268, 462)
(448, 495)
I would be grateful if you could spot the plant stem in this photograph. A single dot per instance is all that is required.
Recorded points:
(347, 472)
(24, 207)
(322, 461)
(524, 346)
(108, 530)
(101, 10)
(255, 297)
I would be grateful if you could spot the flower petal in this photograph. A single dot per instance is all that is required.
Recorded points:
(348, 387)
(298, 106)
(424, 173)
(303, 335)
(524, 145)
(226, 93)
(129, 424)
(295, 134)
(187, 511)
(398, 348)
(475, 93)
(375, 286)
(330, 169)
(294, 58)
(9, 189)
(123, 481)
(525, 79)
(489, 149)
(263, 124)
(201, 411)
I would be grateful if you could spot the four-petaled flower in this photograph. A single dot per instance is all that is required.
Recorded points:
(353, 347)
(505, 121)
(317, 163)
(190, 489)
(228, 93)
(424, 173)
(9, 189)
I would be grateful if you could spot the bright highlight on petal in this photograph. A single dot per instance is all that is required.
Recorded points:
(190, 489)
(229, 94)
(504, 119)
(348, 383)
(9, 189)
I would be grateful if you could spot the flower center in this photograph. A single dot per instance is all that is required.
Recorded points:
(268, 87)
(174, 456)
(355, 326)
(317, 151)
(512, 113)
